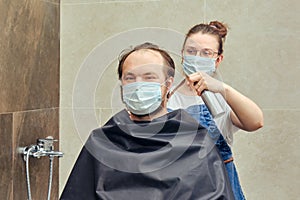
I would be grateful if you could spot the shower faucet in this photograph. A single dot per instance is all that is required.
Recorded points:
(44, 147)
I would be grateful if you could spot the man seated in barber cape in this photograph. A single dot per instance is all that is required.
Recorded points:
(143, 152)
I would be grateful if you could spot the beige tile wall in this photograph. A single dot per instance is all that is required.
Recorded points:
(260, 60)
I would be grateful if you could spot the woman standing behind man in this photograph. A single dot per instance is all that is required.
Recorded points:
(202, 54)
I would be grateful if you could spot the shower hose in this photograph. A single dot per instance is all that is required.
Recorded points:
(28, 178)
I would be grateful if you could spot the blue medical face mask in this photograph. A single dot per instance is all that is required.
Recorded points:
(142, 98)
(193, 64)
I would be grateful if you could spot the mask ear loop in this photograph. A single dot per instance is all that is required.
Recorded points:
(121, 91)
(170, 93)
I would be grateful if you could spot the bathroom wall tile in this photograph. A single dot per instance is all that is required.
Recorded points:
(273, 17)
(274, 74)
(260, 50)
(29, 54)
(27, 128)
(269, 78)
(256, 17)
(268, 160)
(6, 152)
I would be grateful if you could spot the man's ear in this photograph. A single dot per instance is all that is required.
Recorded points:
(169, 82)
(219, 60)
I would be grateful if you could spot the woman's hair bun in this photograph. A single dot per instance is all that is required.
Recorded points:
(222, 28)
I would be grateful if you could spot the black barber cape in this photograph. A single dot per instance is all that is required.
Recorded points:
(170, 158)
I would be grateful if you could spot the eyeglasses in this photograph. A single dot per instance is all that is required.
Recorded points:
(206, 53)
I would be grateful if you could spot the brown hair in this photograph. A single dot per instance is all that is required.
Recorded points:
(147, 45)
(214, 28)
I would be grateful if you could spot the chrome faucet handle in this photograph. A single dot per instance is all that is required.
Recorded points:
(46, 144)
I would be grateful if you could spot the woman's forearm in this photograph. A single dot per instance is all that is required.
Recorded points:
(245, 113)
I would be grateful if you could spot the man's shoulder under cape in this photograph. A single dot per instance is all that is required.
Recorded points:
(171, 157)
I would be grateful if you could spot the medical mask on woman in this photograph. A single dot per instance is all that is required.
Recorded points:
(142, 98)
(193, 64)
